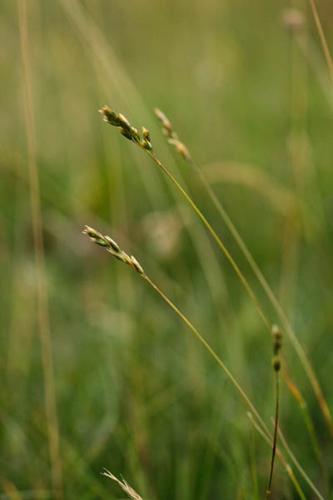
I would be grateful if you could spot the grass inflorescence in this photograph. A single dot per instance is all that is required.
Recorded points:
(228, 214)
(143, 140)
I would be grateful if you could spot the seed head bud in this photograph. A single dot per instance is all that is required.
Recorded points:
(276, 362)
(136, 265)
(89, 231)
(109, 115)
(126, 129)
(123, 120)
(183, 151)
(277, 339)
(145, 134)
(113, 248)
(126, 133)
(97, 237)
(164, 120)
(172, 136)
(112, 243)
(147, 145)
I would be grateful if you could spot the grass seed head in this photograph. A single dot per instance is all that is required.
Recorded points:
(131, 493)
(171, 135)
(113, 248)
(112, 243)
(166, 124)
(126, 129)
(277, 339)
(277, 345)
(136, 264)
(95, 236)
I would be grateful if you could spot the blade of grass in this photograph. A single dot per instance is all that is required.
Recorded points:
(216, 237)
(274, 301)
(174, 140)
(322, 37)
(41, 283)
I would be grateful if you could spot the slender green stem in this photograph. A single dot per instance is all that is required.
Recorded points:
(113, 248)
(258, 421)
(285, 323)
(276, 425)
(211, 351)
(216, 237)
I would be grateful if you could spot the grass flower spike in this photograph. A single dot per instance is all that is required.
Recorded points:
(171, 135)
(113, 248)
(126, 129)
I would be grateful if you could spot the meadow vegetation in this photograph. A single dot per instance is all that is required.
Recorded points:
(227, 207)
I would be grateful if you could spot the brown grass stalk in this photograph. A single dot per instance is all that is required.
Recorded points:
(277, 337)
(174, 140)
(280, 456)
(322, 37)
(41, 283)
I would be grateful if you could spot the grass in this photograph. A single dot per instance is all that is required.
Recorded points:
(143, 140)
(126, 390)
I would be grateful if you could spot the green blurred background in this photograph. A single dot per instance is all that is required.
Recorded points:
(247, 89)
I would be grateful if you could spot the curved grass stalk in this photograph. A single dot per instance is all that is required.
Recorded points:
(298, 465)
(97, 43)
(297, 395)
(112, 73)
(216, 237)
(208, 348)
(280, 198)
(322, 37)
(113, 248)
(143, 140)
(285, 323)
